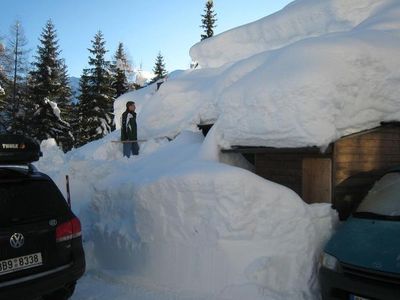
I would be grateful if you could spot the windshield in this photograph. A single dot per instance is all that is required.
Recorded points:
(26, 200)
(383, 199)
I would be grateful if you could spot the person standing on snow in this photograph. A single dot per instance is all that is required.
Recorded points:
(129, 130)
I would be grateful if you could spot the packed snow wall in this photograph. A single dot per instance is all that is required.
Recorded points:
(178, 219)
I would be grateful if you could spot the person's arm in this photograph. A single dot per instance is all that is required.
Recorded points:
(134, 128)
(123, 130)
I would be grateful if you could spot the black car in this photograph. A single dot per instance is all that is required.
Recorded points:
(41, 253)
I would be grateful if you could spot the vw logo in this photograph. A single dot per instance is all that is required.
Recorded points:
(17, 240)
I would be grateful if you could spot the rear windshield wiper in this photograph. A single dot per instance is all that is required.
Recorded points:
(374, 216)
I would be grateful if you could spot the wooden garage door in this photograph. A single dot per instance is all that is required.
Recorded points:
(317, 180)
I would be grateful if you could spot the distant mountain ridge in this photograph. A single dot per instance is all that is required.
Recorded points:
(74, 84)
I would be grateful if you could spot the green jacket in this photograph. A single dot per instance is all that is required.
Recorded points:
(128, 127)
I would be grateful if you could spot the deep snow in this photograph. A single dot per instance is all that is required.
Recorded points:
(176, 222)
(301, 19)
(307, 75)
(182, 220)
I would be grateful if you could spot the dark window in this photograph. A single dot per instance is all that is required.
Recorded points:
(27, 200)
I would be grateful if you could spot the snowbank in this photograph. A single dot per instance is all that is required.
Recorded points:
(140, 97)
(182, 220)
(177, 220)
(313, 72)
(298, 21)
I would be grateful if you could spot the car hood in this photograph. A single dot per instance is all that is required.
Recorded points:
(366, 243)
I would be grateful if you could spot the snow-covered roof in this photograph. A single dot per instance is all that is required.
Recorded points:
(307, 75)
(299, 20)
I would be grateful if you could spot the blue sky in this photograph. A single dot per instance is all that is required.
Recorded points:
(145, 27)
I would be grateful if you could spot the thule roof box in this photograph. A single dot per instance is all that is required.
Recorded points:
(18, 149)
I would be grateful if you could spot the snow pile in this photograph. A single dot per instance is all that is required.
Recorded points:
(182, 220)
(307, 75)
(298, 21)
(177, 220)
(2, 92)
(140, 97)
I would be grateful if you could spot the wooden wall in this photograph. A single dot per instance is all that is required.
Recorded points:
(342, 175)
(285, 169)
(359, 160)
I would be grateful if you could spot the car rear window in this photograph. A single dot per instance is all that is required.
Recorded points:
(25, 200)
(384, 198)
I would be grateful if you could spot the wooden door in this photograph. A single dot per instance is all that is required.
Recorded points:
(317, 180)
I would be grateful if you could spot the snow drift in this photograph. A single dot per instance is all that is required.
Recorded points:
(182, 220)
(177, 219)
(298, 21)
(313, 72)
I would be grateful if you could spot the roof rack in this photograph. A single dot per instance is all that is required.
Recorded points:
(18, 149)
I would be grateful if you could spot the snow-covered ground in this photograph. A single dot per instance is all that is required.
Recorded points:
(183, 221)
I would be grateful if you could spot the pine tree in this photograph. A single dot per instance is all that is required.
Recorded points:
(3, 125)
(3, 77)
(65, 104)
(121, 68)
(84, 107)
(75, 123)
(48, 86)
(2, 94)
(208, 20)
(64, 93)
(14, 64)
(3, 81)
(45, 81)
(47, 123)
(159, 69)
(98, 101)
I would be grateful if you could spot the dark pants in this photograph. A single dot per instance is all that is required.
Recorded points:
(131, 149)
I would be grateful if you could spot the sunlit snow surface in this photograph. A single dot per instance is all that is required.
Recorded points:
(183, 221)
(307, 75)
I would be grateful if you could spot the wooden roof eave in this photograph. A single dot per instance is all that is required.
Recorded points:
(311, 151)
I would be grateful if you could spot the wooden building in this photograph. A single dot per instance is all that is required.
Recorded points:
(341, 175)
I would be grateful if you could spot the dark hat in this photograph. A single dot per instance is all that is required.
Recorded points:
(129, 103)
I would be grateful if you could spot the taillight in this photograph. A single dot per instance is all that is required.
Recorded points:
(68, 230)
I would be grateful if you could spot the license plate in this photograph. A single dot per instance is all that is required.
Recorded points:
(354, 297)
(20, 263)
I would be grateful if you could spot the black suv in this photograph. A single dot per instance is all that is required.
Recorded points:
(41, 253)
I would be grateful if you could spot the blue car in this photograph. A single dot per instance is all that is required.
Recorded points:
(362, 259)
